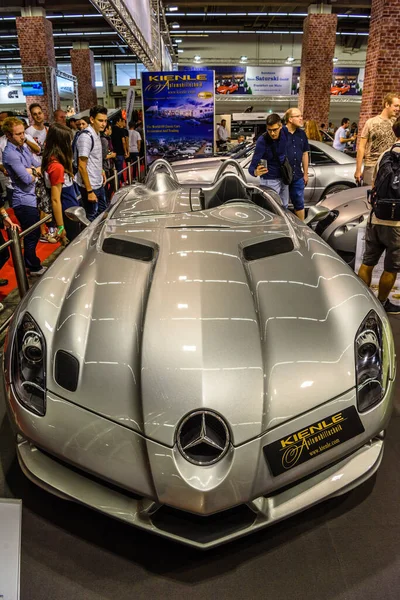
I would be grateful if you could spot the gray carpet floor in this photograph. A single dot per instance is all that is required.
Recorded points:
(344, 549)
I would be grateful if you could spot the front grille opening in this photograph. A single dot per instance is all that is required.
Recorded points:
(203, 529)
(324, 224)
(268, 248)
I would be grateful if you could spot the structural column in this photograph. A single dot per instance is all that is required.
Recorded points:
(382, 74)
(36, 45)
(82, 62)
(318, 50)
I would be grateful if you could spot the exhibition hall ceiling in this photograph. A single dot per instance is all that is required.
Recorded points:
(79, 21)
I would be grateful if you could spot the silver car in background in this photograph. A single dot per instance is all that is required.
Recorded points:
(199, 363)
(348, 211)
(330, 171)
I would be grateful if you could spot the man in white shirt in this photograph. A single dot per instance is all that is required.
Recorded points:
(222, 134)
(135, 142)
(90, 176)
(341, 140)
(38, 130)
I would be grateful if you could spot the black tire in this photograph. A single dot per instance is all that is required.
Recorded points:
(334, 189)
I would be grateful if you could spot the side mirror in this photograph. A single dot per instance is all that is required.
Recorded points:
(77, 214)
(315, 213)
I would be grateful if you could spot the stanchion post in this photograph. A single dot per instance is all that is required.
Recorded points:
(129, 173)
(116, 180)
(18, 260)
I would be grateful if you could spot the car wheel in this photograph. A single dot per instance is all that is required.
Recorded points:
(334, 189)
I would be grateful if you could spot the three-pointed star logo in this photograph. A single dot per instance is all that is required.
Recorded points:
(205, 436)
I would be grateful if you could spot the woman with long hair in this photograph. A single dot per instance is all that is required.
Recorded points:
(57, 167)
(312, 131)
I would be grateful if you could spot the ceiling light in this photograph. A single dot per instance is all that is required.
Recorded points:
(290, 59)
(243, 59)
(197, 58)
(177, 41)
(172, 8)
(175, 25)
(334, 59)
(180, 51)
(11, 75)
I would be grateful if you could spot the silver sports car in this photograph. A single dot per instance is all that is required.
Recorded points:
(330, 171)
(199, 363)
(348, 211)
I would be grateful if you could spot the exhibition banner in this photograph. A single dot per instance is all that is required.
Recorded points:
(178, 111)
(269, 81)
(279, 80)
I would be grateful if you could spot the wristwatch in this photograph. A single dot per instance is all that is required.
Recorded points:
(89, 191)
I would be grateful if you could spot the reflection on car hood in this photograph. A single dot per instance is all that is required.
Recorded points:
(258, 341)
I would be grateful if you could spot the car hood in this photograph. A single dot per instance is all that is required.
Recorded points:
(206, 323)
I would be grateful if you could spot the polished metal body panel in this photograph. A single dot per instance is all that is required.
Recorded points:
(266, 344)
(353, 211)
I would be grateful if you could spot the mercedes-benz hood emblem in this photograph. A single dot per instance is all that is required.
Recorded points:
(203, 438)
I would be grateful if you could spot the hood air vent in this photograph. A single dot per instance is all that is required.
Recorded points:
(66, 371)
(268, 248)
(128, 249)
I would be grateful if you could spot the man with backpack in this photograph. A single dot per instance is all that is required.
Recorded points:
(383, 229)
(88, 161)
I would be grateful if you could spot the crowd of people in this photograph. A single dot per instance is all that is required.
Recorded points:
(47, 168)
(74, 160)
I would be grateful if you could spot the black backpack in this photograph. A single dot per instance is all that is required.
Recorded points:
(385, 195)
(75, 157)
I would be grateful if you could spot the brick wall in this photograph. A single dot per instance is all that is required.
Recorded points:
(36, 45)
(318, 50)
(382, 74)
(82, 62)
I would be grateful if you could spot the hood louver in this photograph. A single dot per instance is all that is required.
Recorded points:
(128, 249)
(268, 248)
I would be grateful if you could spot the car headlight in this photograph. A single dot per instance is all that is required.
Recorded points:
(371, 374)
(29, 366)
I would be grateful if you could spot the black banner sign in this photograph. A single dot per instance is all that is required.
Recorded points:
(309, 442)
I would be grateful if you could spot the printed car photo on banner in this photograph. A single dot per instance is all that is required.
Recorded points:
(178, 110)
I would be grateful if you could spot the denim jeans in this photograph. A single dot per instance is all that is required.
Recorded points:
(296, 193)
(27, 216)
(94, 208)
(280, 188)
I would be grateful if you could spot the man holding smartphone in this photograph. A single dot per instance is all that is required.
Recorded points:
(272, 148)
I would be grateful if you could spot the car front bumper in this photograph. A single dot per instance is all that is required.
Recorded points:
(202, 532)
(83, 457)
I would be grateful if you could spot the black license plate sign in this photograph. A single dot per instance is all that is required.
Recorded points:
(312, 441)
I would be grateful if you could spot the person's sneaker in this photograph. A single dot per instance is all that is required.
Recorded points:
(390, 308)
(3, 282)
(38, 273)
(1, 306)
(43, 239)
